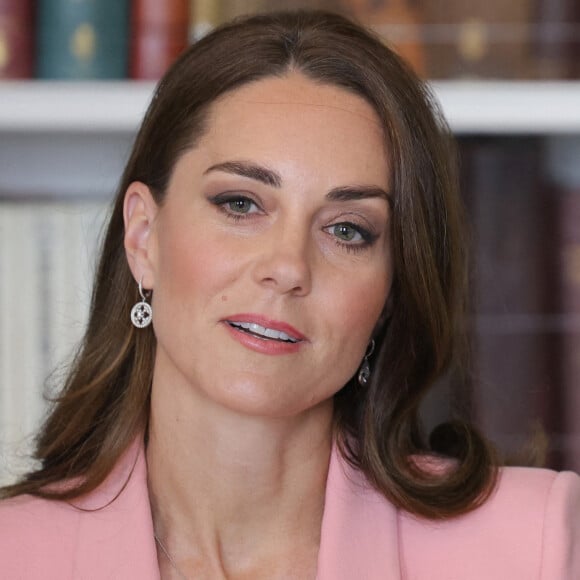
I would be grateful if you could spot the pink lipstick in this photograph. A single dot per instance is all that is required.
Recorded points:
(264, 335)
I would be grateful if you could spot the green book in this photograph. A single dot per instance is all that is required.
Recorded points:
(82, 39)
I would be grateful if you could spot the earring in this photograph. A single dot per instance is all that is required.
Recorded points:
(364, 373)
(141, 313)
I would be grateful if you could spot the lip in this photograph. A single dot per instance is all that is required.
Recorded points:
(269, 323)
(265, 346)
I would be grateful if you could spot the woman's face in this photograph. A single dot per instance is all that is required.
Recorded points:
(270, 259)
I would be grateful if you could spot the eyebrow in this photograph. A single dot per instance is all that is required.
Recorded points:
(272, 178)
(249, 170)
(355, 192)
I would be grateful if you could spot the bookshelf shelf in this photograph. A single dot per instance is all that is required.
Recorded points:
(69, 138)
(511, 108)
(478, 107)
(62, 106)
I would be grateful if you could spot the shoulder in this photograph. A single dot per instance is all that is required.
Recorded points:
(24, 509)
(32, 516)
(107, 533)
(529, 527)
(34, 533)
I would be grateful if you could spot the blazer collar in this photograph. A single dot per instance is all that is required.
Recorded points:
(115, 536)
(359, 536)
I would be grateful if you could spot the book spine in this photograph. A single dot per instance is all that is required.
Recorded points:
(564, 175)
(82, 39)
(203, 16)
(229, 9)
(47, 252)
(398, 22)
(479, 39)
(159, 33)
(16, 38)
(507, 208)
(21, 370)
(556, 45)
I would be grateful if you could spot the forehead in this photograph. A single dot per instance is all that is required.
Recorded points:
(296, 88)
(295, 115)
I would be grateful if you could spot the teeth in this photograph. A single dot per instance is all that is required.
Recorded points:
(263, 331)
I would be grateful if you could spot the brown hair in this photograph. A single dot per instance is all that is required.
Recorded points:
(104, 404)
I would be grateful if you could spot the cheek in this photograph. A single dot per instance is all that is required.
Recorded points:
(366, 294)
(361, 312)
(356, 311)
(192, 265)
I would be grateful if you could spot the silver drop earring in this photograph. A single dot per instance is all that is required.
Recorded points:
(141, 313)
(364, 373)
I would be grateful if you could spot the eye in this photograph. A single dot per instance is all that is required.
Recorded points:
(347, 232)
(351, 237)
(235, 205)
(240, 205)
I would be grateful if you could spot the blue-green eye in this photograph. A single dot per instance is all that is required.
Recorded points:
(236, 205)
(347, 233)
(240, 205)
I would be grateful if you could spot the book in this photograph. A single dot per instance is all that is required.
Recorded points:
(397, 21)
(16, 38)
(556, 39)
(563, 175)
(203, 18)
(479, 39)
(229, 9)
(21, 360)
(82, 39)
(275, 5)
(47, 253)
(512, 227)
(159, 33)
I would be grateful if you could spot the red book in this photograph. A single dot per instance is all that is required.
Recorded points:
(16, 38)
(159, 33)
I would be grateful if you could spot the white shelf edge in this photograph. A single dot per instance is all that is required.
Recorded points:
(63, 106)
(510, 107)
(478, 107)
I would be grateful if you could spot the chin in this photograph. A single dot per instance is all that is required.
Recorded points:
(259, 398)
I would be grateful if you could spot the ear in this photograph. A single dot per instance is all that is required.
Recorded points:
(139, 213)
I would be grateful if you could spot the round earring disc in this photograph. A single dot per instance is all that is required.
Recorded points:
(141, 314)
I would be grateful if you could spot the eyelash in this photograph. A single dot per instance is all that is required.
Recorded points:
(221, 201)
(368, 238)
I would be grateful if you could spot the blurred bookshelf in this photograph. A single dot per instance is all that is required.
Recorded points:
(507, 78)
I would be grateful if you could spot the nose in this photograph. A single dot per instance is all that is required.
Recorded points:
(284, 262)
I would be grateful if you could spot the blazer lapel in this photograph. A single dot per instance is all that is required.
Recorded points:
(359, 536)
(359, 528)
(115, 538)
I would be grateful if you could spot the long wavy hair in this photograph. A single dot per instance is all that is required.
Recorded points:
(105, 400)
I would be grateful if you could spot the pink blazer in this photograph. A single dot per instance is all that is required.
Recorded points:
(528, 530)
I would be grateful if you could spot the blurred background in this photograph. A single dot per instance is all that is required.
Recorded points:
(76, 77)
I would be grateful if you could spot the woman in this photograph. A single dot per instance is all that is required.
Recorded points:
(289, 222)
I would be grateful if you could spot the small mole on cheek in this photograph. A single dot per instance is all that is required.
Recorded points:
(224, 298)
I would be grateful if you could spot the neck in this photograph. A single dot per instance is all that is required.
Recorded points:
(232, 493)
